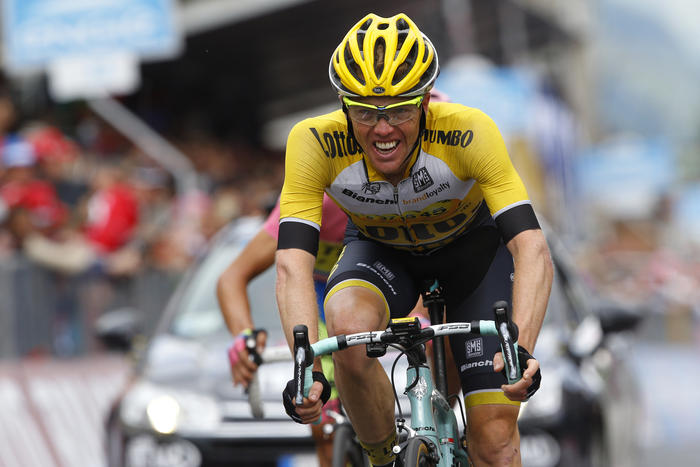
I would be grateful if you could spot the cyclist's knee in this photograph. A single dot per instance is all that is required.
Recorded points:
(354, 309)
(493, 436)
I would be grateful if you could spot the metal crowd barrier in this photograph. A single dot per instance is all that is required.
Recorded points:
(44, 312)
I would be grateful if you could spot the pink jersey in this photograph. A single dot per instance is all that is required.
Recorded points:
(330, 237)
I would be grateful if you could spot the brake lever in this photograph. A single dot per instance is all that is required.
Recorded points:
(303, 359)
(508, 335)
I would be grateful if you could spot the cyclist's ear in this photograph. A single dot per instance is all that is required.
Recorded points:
(426, 101)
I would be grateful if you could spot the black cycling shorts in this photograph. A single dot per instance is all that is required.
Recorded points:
(475, 271)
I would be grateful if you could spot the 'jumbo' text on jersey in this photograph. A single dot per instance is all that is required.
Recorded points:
(462, 164)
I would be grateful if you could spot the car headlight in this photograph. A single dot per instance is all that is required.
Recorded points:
(163, 413)
(168, 410)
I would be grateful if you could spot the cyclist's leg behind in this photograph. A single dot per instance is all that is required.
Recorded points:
(492, 432)
(366, 283)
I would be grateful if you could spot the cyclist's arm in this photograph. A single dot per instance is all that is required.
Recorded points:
(231, 288)
(510, 206)
(532, 283)
(296, 299)
(296, 296)
(301, 207)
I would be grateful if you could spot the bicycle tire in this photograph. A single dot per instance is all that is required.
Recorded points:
(347, 452)
(416, 453)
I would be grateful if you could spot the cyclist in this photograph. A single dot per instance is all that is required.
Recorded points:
(256, 257)
(231, 291)
(432, 193)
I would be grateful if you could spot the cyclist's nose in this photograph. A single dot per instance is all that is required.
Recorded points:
(383, 125)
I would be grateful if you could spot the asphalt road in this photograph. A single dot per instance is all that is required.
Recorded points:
(53, 410)
(670, 382)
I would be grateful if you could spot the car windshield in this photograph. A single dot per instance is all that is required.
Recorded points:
(198, 314)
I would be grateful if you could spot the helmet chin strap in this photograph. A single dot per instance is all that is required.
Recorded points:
(351, 132)
(421, 130)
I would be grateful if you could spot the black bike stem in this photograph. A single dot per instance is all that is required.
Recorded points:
(436, 308)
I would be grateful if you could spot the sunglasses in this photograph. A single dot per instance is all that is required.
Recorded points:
(395, 114)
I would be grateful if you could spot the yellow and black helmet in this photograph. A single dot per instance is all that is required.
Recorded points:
(384, 57)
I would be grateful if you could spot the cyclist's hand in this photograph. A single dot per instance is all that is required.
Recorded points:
(242, 367)
(310, 410)
(531, 376)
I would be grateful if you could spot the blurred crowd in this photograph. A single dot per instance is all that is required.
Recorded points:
(84, 204)
(649, 264)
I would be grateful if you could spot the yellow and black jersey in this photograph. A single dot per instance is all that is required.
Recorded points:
(460, 175)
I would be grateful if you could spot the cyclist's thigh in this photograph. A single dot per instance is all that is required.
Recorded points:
(377, 268)
(474, 354)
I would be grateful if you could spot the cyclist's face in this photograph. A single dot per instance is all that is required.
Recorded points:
(385, 144)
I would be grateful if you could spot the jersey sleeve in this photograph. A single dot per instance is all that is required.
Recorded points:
(301, 201)
(501, 185)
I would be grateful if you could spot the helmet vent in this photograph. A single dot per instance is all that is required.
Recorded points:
(426, 75)
(403, 69)
(379, 56)
(361, 40)
(399, 42)
(352, 66)
(383, 26)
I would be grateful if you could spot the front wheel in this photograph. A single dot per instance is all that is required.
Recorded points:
(347, 451)
(417, 454)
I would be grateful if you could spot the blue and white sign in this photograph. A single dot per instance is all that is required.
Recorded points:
(39, 31)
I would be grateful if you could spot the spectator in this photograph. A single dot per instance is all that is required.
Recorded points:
(112, 211)
(59, 160)
(20, 187)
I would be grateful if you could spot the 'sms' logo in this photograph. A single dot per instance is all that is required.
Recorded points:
(475, 347)
(421, 180)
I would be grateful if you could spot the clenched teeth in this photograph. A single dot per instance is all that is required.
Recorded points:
(386, 145)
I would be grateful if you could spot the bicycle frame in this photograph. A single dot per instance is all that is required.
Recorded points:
(434, 421)
(432, 417)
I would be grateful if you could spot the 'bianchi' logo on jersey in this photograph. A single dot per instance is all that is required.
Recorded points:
(422, 180)
(366, 199)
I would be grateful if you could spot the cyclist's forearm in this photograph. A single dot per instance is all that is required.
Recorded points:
(233, 301)
(532, 284)
(231, 288)
(296, 296)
